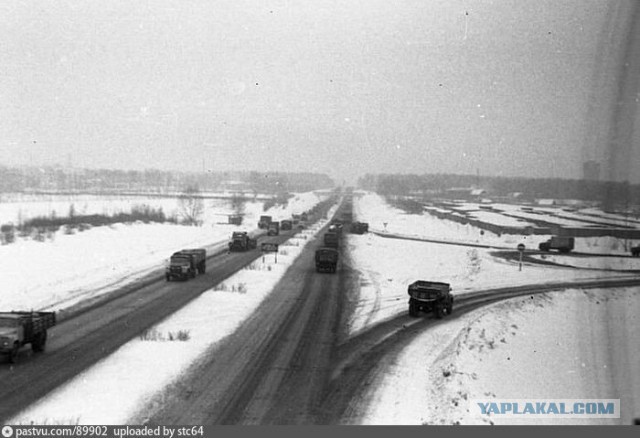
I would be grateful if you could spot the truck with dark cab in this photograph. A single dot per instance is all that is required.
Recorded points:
(331, 239)
(359, 227)
(264, 222)
(326, 260)
(562, 244)
(241, 241)
(186, 263)
(286, 225)
(274, 229)
(20, 328)
(430, 296)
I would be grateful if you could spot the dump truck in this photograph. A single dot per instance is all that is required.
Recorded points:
(274, 229)
(562, 244)
(286, 225)
(430, 296)
(264, 222)
(331, 239)
(241, 241)
(186, 263)
(326, 260)
(20, 328)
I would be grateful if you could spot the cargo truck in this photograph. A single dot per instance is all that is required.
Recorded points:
(326, 260)
(20, 328)
(241, 241)
(186, 263)
(331, 239)
(562, 244)
(274, 229)
(264, 222)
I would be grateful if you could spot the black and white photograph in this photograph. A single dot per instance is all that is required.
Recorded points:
(318, 213)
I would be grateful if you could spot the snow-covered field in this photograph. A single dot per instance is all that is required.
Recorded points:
(61, 271)
(388, 219)
(503, 215)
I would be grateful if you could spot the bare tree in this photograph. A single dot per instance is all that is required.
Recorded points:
(191, 206)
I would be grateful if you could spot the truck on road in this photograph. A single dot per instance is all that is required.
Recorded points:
(241, 241)
(186, 263)
(264, 222)
(635, 251)
(562, 244)
(286, 225)
(430, 296)
(20, 328)
(331, 239)
(326, 260)
(274, 229)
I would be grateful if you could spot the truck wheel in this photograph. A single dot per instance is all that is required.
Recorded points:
(413, 309)
(449, 308)
(439, 311)
(13, 356)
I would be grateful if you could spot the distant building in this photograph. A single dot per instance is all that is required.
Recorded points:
(591, 171)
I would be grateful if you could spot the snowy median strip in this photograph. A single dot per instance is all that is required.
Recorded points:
(114, 389)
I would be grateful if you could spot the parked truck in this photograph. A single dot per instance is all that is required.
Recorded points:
(264, 222)
(430, 296)
(241, 241)
(274, 229)
(359, 227)
(635, 251)
(326, 260)
(20, 328)
(186, 263)
(562, 244)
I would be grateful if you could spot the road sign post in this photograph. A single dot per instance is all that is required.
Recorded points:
(521, 248)
(269, 247)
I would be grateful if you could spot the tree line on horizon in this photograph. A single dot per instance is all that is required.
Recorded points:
(610, 194)
(20, 179)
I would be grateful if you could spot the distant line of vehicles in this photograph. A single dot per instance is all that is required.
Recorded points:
(20, 328)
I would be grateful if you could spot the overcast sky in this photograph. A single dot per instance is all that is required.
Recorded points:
(345, 87)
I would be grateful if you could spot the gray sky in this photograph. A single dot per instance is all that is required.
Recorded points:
(346, 87)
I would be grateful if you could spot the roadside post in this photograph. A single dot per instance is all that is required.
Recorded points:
(520, 250)
(267, 248)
